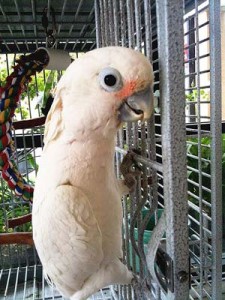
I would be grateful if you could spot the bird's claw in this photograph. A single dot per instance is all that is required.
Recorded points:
(130, 170)
(129, 163)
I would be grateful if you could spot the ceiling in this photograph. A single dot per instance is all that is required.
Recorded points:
(72, 23)
(22, 30)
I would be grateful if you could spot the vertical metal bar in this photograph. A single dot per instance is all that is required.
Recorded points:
(191, 64)
(130, 23)
(103, 25)
(122, 23)
(19, 16)
(97, 24)
(129, 133)
(34, 17)
(170, 33)
(142, 143)
(199, 135)
(76, 15)
(16, 283)
(148, 32)
(116, 19)
(138, 32)
(151, 144)
(7, 283)
(216, 146)
(120, 141)
(43, 286)
(34, 281)
(106, 22)
(111, 23)
(62, 14)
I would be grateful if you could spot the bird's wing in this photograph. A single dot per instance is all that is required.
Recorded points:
(71, 246)
(53, 123)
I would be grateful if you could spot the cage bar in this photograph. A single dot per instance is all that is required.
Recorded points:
(162, 30)
(216, 146)
(170, 29)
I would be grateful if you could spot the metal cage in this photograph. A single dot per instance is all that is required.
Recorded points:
(172, 229)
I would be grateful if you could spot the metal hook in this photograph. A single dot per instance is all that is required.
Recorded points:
(50, 33)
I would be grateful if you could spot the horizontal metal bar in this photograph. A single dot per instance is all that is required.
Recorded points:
(196, 73)
(197, 87)
(71, 47)
(193, 133)
(194, 29)
(66, 22)
(199, 198)
(202, 116)
(147, 162)
(197, 185)
(43, 37)
(194, 44)
(191, 6)
(197, 158)
(196, 143)
(68, 13)
(205, 293)
(197, 242)
(194, 206)
(193, 219)
(196, 102)
(196, 58)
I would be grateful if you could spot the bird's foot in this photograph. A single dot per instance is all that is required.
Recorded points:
(130, 170)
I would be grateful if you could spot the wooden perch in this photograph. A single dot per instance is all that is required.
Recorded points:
(17, 238)
(12, 223)
(25, 124)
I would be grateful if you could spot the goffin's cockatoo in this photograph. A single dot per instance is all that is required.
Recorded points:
(77, 208)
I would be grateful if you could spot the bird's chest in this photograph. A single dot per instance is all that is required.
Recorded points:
(100, 185)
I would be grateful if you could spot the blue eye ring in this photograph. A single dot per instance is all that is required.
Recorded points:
(110, 80)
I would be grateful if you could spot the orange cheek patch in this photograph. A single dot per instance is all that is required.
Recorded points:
(127, 90)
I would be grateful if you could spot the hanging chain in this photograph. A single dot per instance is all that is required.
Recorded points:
(50, 32)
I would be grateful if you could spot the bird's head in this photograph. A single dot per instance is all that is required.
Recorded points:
(103, 89)
(128, 82)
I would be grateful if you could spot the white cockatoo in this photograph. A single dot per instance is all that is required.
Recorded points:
(77, 209)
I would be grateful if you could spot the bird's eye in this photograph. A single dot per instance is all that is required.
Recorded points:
(110, 80)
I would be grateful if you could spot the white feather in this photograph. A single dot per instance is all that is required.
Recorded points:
(77, 211)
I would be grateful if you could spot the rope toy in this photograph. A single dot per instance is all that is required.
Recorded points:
(10, 96)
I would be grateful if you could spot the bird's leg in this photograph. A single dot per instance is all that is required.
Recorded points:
(130, 170)
(113, 273)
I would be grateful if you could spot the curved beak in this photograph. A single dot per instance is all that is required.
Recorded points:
(138, 106)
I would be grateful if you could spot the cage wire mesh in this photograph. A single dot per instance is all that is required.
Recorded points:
(136, 26)
(202, 70)
(161, 30)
